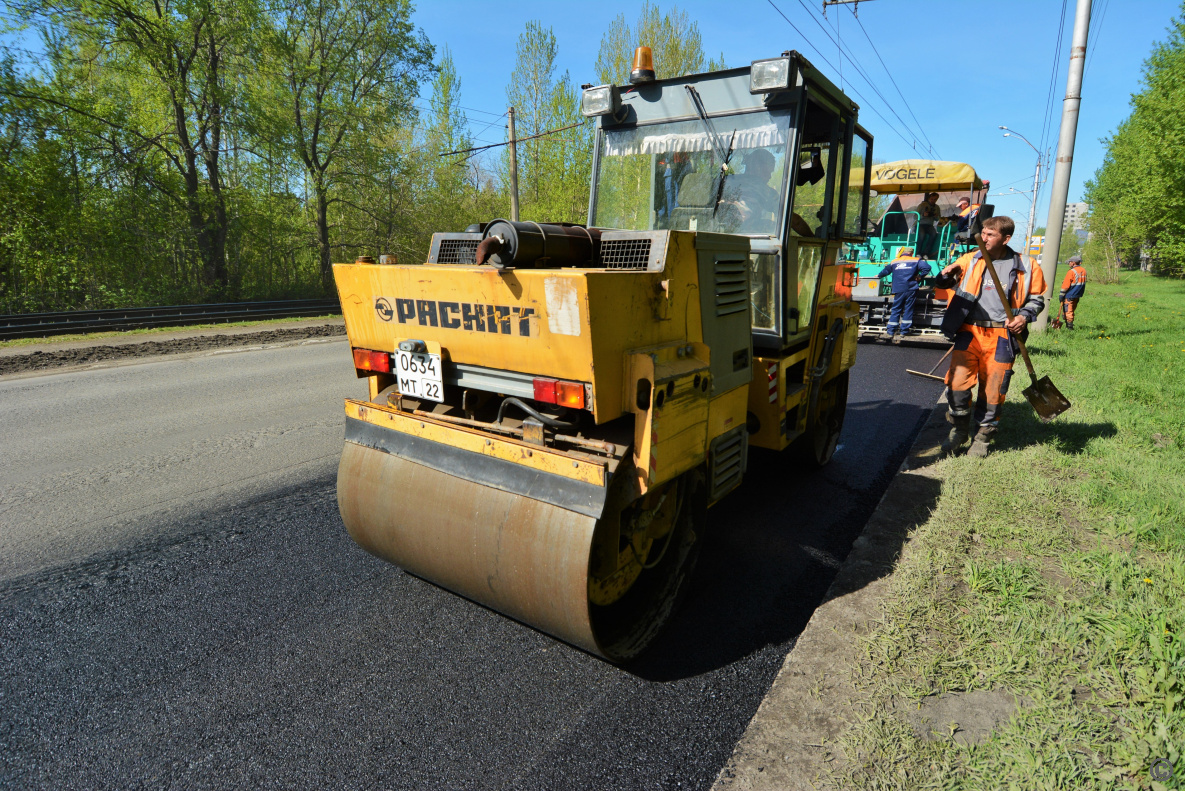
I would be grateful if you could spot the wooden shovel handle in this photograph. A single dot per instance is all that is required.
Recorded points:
(1004, 298)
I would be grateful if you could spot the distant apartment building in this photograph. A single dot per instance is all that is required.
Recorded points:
(1075, 216)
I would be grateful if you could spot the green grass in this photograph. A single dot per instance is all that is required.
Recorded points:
(1054, 570)
(94, 336)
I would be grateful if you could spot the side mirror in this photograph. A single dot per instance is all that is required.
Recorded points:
(812, 173)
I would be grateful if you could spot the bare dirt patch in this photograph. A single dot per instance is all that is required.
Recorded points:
(40, 360)
(964, 717)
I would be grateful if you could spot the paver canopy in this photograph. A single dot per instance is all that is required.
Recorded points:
(908, 176)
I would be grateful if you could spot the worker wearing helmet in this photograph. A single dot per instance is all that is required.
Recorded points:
(975, 320)
(907, 271)
(1073, 287)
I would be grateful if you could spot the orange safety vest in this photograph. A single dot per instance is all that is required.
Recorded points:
(966, 293)
(1075, 277)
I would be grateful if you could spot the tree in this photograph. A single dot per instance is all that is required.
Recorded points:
(347, 73)
(1137, 196)
(553, 169)
(175, 103)
(1070, 246)
(673, 37)
(450, 176)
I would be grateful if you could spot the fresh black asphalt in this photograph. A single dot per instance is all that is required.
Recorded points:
(257, 647)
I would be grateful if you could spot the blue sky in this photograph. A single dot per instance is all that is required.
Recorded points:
(964, 67)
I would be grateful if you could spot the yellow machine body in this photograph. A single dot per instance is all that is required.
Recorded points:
(583, 517)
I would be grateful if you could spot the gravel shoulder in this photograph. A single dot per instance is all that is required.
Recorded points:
(113, 348)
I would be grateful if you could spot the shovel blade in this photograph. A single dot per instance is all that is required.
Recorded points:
(1046, 399)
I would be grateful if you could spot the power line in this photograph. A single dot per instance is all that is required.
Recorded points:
(1050, 99)
(1098, 29)
(824, 58)
(517, 140)
(1057, 56)
(890, 75)
(861, 72)
(859, 69)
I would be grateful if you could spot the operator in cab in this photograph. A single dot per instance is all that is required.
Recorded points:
(750, 194)
(984, 349)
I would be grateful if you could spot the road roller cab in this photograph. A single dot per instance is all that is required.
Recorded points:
(552, 408)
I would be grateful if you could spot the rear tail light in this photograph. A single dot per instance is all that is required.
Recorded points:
(367, 360)
(570, 394)
(552, 391)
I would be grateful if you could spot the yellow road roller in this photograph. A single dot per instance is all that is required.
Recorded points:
(553, 408)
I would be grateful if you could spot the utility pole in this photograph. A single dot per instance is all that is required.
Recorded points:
(1065, 158)
(513, 169)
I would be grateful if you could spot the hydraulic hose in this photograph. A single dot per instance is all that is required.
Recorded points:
(550, 422)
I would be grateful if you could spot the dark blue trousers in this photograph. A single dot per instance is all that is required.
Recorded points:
(901, 312)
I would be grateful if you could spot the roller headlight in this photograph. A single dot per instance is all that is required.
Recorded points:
(770, 75)
(601, 100)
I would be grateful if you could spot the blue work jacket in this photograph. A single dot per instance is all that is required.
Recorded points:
(907, 272)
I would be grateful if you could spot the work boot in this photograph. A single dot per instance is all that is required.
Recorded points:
(887, 335)
(1069, 325)
(959, 432)
(981, 445)
(896, 339)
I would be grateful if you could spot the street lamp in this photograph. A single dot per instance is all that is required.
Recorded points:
(1028, 229)
(1036, 181)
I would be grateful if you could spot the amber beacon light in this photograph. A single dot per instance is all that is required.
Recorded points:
(643, 70)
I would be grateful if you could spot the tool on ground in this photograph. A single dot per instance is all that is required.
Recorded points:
(935, 368)
(553, 408)
(1061, 314)
(1045, 398)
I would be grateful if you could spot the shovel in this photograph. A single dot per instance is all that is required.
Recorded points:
(1057, 322)
(1046, 399)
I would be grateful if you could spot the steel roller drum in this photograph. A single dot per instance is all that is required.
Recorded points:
(525, 558)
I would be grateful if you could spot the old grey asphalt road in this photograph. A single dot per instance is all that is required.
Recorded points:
(180, 606)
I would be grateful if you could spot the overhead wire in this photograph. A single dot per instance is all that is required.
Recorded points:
(1049, 98)
(890, 76)
(852, 88)
(859, 70)
(516, 140)
(1096, 30)
(847, 52)
(124, 69)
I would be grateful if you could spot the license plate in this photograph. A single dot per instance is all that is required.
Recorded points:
(418, 375)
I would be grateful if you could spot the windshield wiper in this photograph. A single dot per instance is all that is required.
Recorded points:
(717, 143)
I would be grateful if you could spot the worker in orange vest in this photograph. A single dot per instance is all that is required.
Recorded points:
(982, 333)
(1073, 287)
(966, 214)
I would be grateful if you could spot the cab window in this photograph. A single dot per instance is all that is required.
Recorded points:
(668, 176)
(856, 200)
(816, 163)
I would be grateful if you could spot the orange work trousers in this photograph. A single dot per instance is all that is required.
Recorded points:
(982, 360)
(1070, 304)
